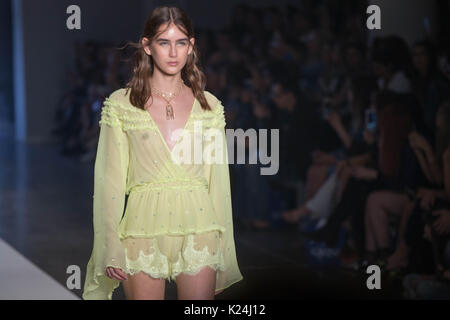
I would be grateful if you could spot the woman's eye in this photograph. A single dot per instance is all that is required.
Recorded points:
(180, 43)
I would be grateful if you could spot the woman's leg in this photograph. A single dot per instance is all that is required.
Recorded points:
(197, 287)
(319, 206)
(143, 287)
(379, 205)
(371, 245)
(400, 256)
(344, 173)
(315, 177)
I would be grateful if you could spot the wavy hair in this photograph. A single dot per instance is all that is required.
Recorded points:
(143, 65)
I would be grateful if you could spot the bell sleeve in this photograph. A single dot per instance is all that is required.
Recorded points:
(110, 177)
(220, 193)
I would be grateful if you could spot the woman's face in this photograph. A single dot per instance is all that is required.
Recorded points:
(170, 46)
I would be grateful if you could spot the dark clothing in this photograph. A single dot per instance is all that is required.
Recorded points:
(422, 258)
(297, 137)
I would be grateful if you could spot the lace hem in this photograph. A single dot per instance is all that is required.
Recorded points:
(157, 265)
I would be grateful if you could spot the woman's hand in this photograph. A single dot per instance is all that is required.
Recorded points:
(341, 165)
(364, 173)
(116, 273)
(417, 141)
(442, 224)
(334, 119)
(369, 136)
(428, 198)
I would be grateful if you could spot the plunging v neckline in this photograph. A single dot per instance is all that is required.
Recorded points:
(184, 128)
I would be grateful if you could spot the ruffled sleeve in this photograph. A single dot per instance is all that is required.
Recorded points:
(220, 193)
(110, 178)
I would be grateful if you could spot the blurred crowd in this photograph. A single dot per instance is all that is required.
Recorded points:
(364, 132)
(97, 71)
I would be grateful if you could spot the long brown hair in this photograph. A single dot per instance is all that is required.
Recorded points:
(143, 65)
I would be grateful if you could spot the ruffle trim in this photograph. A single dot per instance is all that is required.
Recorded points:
(127, 117)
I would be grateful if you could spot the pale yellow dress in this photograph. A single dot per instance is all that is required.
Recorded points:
(178, 215)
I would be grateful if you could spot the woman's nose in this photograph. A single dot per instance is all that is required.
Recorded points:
(173, 51)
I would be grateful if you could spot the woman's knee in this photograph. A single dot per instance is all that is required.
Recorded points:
(374, 200)
(199, 286)
(144, 287)
(316, 170)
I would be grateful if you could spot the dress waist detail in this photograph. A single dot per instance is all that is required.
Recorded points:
(171, 184)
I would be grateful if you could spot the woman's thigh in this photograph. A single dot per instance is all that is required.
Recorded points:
(389, 201)
(200, 286)
(141, 286)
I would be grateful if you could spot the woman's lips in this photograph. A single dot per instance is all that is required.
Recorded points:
(172, 63)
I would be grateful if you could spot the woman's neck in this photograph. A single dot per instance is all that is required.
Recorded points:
(165, 83)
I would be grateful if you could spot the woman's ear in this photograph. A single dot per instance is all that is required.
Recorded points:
(145, 45)
(192, 45)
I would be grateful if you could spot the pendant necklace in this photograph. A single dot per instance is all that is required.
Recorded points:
(170, 96)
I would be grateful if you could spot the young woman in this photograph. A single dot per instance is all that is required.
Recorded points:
(178, 218)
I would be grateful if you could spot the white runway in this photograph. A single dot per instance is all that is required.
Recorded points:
(20, 279)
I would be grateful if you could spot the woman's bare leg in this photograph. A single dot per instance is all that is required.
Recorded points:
(294, 215)
(379, 205)
(315, 178)
(143, 287)
(197, 287)
(344, 173)
(371, 245)
(400, 256)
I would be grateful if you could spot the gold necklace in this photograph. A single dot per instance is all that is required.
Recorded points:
(169, 109)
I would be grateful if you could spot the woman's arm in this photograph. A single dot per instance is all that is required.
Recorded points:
(426, 156)
(110, 176)
(435, 170)
(335, 121)
(219, 191)
(361, 160)
(424, 165)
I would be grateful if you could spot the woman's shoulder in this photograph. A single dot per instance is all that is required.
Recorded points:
(117, 106)
(213, 101)
(217, 113)
(119, 97)
(119, 102)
